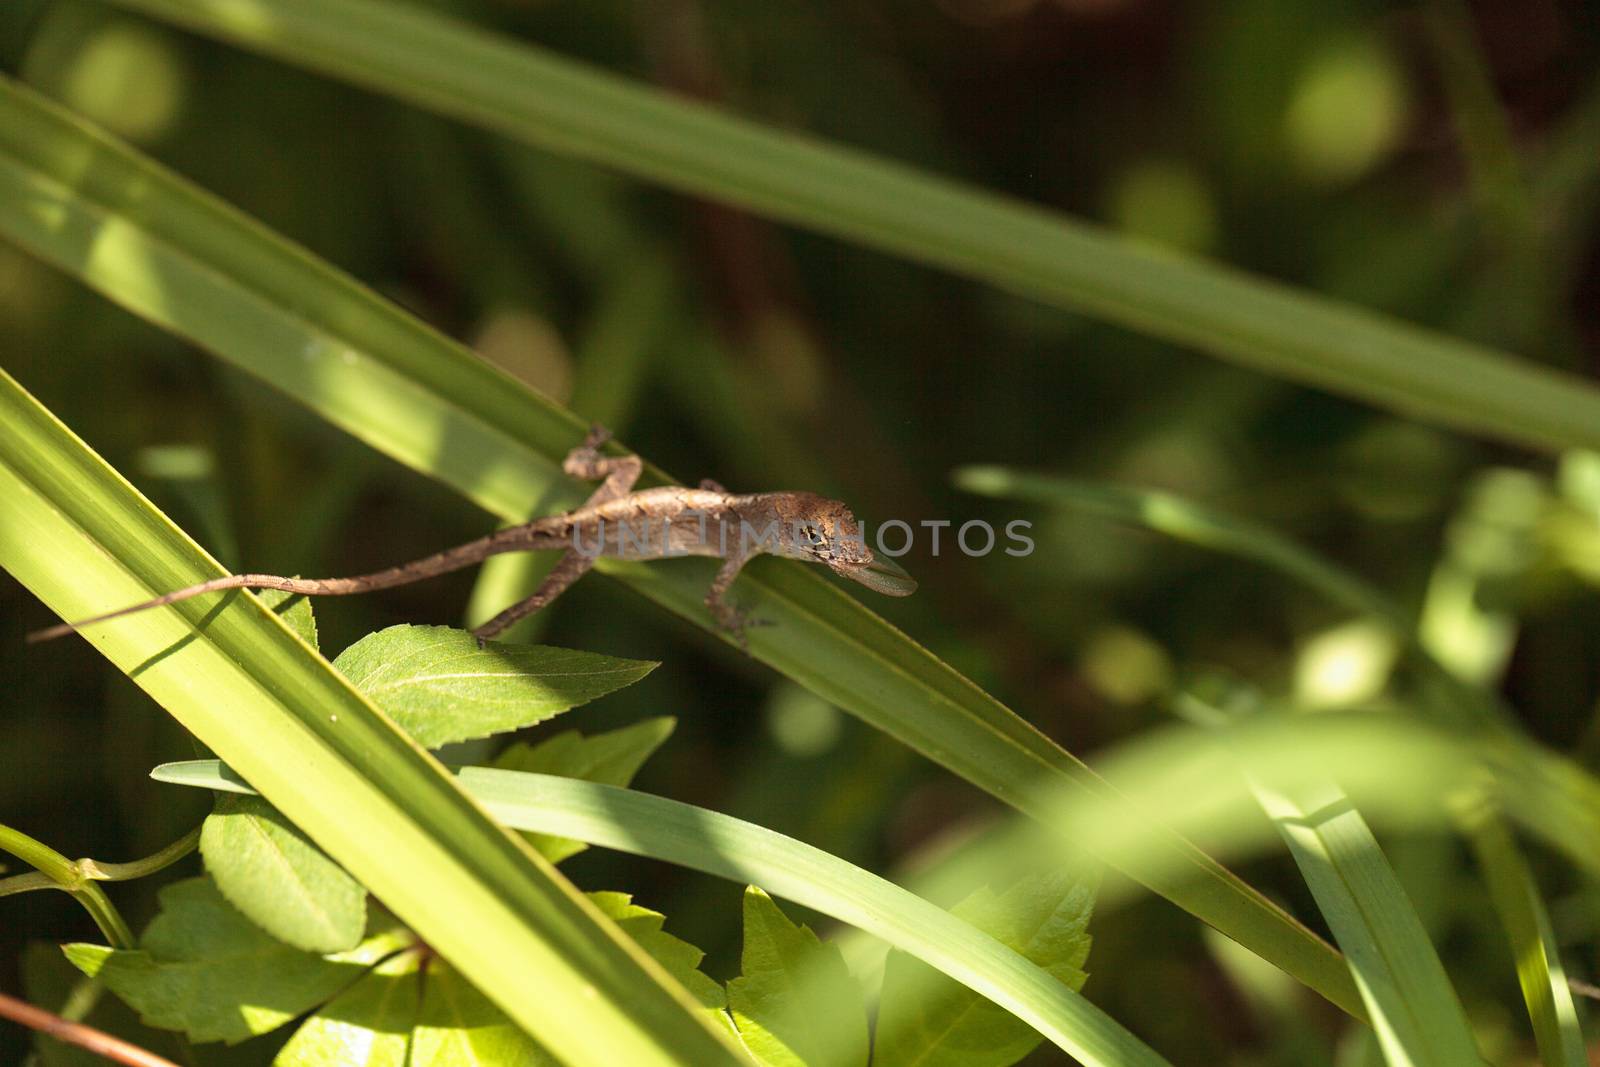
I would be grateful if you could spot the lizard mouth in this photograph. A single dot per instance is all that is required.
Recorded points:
(882, 575)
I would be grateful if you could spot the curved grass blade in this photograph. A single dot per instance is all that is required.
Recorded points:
(730, 848)
(74, 532)
(177, 256)
(457, 70)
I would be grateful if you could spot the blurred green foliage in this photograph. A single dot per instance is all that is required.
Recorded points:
(1440, 162)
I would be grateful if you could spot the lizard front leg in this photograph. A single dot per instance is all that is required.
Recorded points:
(586, 462)
(729, 617)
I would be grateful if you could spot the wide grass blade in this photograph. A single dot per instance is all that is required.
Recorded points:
(75, 533)
(457, 70)
(179, 257)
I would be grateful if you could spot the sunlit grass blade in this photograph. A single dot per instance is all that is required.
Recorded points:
(74, 532)
(743, 852)
(1466, 625)
(184, 260)
(540, 98)
(841, 651)
(1526, 920)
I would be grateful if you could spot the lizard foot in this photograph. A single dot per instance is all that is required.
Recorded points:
(736, 622)
(583, 461)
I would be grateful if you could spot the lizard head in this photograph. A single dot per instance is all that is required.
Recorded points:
(824, 531)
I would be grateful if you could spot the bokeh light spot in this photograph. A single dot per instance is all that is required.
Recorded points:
(129, 80)
(1346, 113)
(1167, 203)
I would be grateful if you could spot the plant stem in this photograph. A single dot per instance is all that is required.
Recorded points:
(71, 878)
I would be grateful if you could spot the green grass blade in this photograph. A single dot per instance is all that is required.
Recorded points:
(1522, 912)
(182, 259)
(1185, 520)
(74, 532)
(1414, 1010)
(1399, 771)
(730, 848)
(457, 70)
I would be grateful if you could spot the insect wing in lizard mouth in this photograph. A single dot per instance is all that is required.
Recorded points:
(882, 575)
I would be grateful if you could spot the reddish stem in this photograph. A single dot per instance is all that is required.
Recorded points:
(97, 1041)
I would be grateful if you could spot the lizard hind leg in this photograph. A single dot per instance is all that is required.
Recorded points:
(585, 461)
(569, 569)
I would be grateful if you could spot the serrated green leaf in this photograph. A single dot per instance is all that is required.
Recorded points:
(205, 969)
(795, 1004)
(927, 1019)
(368, 1025)
(441, 686)
(458, 1027)
(294, 610)
(272, 873)
(679, 957)
(88, 958)
(611, 758)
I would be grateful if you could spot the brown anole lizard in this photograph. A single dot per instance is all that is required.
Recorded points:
(618, 522)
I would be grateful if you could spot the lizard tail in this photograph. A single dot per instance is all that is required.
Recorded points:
(513, 539)
(215, 585)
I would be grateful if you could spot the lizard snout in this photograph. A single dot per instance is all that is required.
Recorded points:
(882, 575)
